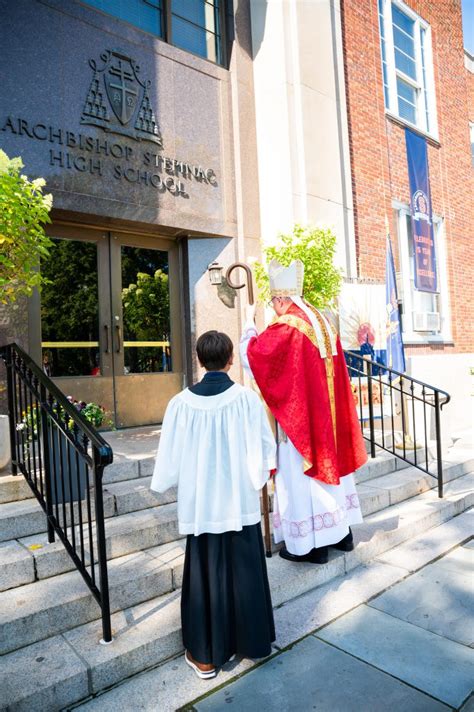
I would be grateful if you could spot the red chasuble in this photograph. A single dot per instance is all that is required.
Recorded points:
(309, 396)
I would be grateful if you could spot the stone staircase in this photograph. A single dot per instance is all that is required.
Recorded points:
(50, 624)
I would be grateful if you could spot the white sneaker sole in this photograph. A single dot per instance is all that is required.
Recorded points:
(202, 675)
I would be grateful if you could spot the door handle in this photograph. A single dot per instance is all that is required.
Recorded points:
(119, 338)
(106, 329)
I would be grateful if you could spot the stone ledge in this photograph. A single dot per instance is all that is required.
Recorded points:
(17, 565)
(46, 608)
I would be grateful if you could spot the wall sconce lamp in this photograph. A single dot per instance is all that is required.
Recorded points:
(215, 277)
(215, 273)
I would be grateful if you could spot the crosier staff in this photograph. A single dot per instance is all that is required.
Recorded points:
(234, 285)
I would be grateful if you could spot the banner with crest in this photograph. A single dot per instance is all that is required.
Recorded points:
(421, 218)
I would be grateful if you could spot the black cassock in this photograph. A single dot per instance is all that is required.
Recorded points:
(226, 606)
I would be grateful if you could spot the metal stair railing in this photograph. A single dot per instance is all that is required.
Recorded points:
(407, 410)
(62, 457)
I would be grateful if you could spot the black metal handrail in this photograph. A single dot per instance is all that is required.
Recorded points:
(62, 457)
(384, 394)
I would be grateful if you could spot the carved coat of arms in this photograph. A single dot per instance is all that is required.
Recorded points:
(118, 100)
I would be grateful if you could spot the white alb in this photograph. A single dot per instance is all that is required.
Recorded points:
(218, 450)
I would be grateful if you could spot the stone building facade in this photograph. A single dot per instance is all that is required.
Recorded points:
(140, 116)
(229, 125)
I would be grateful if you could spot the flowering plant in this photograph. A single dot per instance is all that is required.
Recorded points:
(93, 412)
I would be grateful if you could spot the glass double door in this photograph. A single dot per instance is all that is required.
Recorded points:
(110, 322)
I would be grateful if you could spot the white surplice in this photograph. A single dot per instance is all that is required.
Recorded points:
(307, 513)
(219, 450)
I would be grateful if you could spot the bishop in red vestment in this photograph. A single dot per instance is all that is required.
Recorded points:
(299, 367)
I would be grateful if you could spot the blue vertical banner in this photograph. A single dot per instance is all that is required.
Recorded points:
(395, 351)
(420, 208)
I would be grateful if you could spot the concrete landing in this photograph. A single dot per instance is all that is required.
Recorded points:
(335, 650)
(133, 443)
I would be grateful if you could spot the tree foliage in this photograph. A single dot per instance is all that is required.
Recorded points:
(146, 313)
(24, 210)
(70, 305)
(316, 248)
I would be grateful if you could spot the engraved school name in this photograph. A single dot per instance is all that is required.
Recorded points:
(74, 151)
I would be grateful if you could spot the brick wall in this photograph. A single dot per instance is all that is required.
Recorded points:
(470, 86)
(378, 154)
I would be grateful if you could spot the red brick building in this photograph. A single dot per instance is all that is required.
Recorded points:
(469, 64)
(405, 66)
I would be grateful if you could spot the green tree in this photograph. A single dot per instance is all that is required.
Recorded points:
(24, 210)
(70, 305)
(316, 248)
(146, 315)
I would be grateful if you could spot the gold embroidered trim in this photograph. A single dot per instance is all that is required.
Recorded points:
(321, 320)
(285, 292)
(297, 323)
(329, 367)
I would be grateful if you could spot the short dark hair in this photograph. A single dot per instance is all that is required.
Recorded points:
(214, 350)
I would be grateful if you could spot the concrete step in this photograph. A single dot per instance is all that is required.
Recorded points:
(134, 495)
(24, 518)
(146, 528)
(125, 534)
(381, 492)
(38, 610)
(127, 468)
(128, 481)
(43, 609)
(121, 497)
(149, 633)
(14, 488)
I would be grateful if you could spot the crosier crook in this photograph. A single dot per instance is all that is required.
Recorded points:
(266, 510)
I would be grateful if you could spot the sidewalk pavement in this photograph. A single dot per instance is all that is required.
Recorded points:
(397, 634)
(406, 649)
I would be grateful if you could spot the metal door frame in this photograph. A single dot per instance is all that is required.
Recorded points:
(109, 301)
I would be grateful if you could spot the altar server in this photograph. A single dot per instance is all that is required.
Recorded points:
(217, 446)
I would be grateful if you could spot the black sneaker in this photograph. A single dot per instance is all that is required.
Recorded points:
(346, 544)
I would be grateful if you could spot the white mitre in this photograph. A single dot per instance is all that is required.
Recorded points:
(286, 281)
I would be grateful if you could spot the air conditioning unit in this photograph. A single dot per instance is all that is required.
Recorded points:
(426, 321)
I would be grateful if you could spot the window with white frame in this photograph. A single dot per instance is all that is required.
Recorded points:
(425, 316)
(407, 65)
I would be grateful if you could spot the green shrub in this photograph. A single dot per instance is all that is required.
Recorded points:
(23, 212)
(316, 248)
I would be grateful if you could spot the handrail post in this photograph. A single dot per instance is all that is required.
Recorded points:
(11, 409)
(101, 549)
(371, 408)
(46, 463)
(438, 444)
